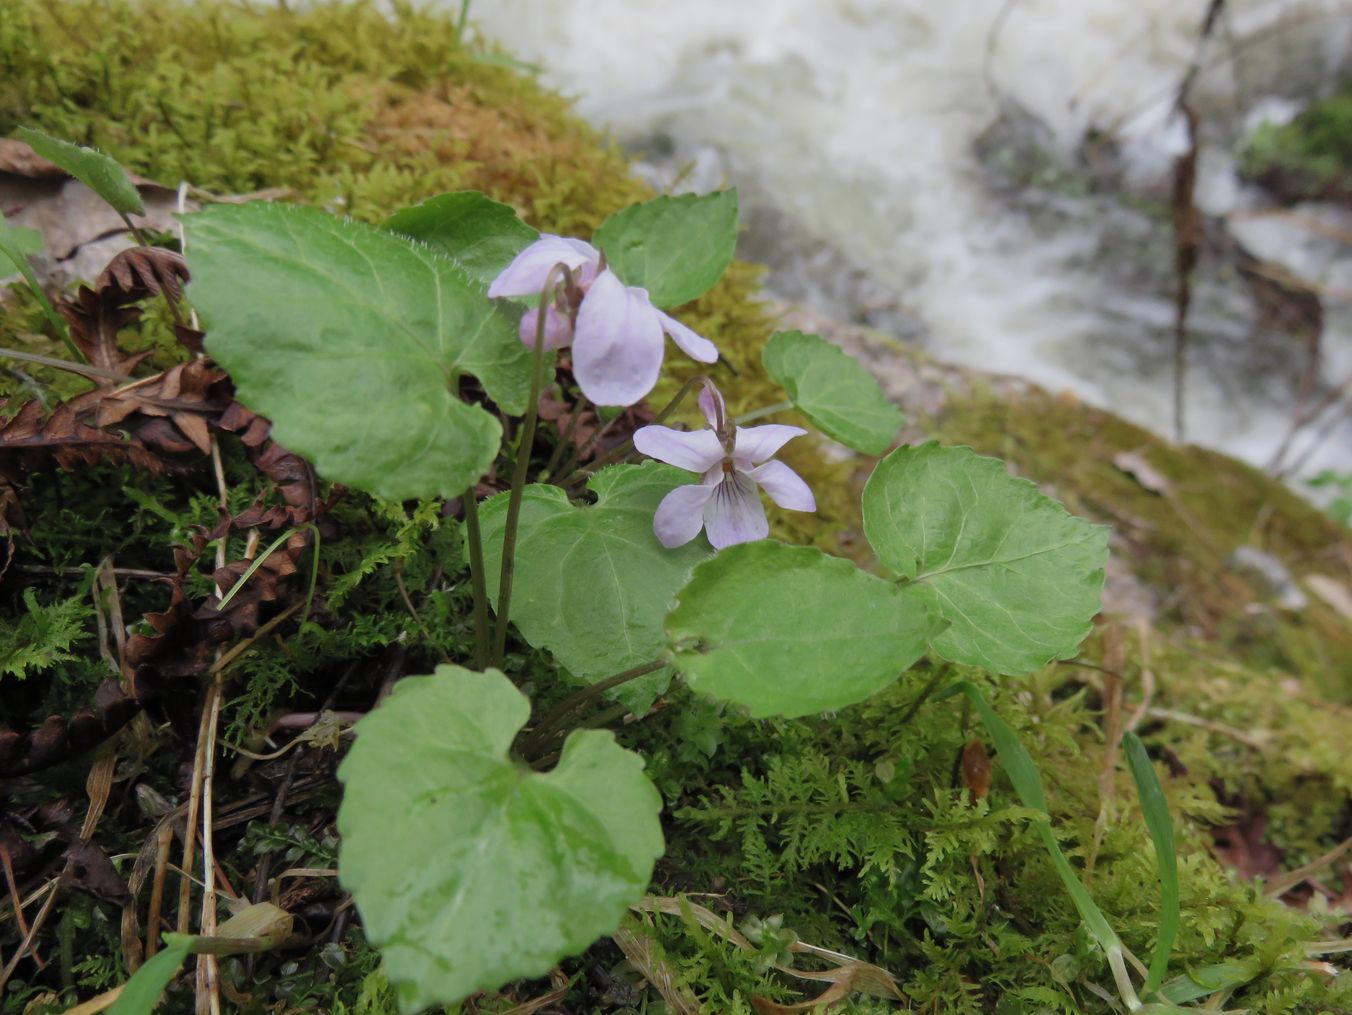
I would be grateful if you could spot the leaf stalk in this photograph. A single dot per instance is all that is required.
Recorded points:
(556, 275)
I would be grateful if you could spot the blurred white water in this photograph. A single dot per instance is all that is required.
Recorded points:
(872, 142)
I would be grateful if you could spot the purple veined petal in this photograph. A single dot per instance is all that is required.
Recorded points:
(558, 329)
(695, 346)
(756, 444)
(680, 516)
(734, 514)
(526, 274)
(617, 345)
(711, 404)
(785, 487)
(695, 452)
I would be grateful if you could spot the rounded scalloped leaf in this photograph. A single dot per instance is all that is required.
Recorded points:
(481, 234)
(350, 339)
(789, 630)
(674, 247)
(1017, 576)
(592, 583)
(470, 870)
(833, 390)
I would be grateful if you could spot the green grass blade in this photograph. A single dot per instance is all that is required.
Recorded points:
(1023, 773)
(142, 992)
(259, 561)
(1157, 819)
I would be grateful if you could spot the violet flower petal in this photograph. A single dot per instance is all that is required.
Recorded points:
(680, 516)
(527, 273)
(756, 444)
(558, 329)
(711, 404)
(695, 346)
(734, 514)
(695, 452)
(617, 347)
(785, 487)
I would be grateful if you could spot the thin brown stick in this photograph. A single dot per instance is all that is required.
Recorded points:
(208, 979)
(1299, 421)
(14, 893)
(408, 602)
(1113, 658)
(184, 925)
(1284, 883)
(27, 942)
(164, 839)
(1147, 680)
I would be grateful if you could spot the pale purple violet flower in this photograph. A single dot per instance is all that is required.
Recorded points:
(733, 461)
(615, 331)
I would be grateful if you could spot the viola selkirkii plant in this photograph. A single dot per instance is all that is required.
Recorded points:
(483, 839)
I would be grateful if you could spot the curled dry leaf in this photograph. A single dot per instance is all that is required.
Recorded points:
(144, 271)
(58, 737)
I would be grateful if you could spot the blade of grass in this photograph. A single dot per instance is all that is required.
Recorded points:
(16, 244)
(142, 992)
(1155, 809)
(1023, 774)
(262, 558)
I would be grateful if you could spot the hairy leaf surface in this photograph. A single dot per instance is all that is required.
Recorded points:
(1016, 575)
(833, 390)
(350, 339)
(592, 583)
(789, 630)
(496, 872)
(97, 171)
(675, 247)
(481, 234)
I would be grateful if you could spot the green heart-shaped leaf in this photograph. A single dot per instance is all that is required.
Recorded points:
(789, 630)
(1015, 574)
(830, 388)
(469, 869)
(351, 340)
(481, 234)
(95, 170)
(675, 247)
(592, 583)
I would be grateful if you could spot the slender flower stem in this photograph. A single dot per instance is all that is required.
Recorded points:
(556, 274)
(699, 380)
(578, 408)
(769, 410)
(476, 577)
(623, 449)
(563, 713)
(141, 237)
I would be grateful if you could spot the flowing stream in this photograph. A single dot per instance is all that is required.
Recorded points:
(991, 178)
